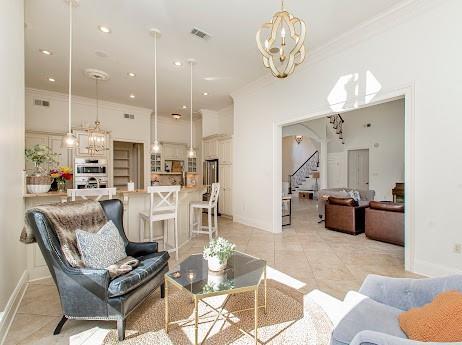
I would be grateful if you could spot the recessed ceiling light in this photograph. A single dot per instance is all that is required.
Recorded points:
(51, 80)
(184, 107)
(177, 63)
(132, 95)
(104, 29)
(131, 74)
(46, 52)
(205, 93)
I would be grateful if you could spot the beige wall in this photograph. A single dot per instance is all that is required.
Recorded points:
(13, 256)
(294, 155)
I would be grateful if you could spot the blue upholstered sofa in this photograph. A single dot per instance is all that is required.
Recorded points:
(370, 316)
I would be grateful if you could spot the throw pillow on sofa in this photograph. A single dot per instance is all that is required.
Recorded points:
(102, 249)
(439, 321)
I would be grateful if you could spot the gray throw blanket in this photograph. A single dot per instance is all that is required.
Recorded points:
(66, 218)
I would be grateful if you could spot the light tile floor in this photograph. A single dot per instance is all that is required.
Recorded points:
(315, 257)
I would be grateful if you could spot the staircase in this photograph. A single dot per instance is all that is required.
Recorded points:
(302, 174)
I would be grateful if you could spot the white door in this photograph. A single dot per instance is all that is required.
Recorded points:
(358, 169)
(336, 170)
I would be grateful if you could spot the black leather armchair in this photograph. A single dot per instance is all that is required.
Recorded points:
(90, 294)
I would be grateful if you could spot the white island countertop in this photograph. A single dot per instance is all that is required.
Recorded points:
(119, 192)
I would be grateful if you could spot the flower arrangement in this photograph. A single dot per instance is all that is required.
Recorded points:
(61, 174)
(40, 154)
(217, 252)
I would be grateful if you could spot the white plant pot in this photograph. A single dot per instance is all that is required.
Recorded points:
(38, 188)
(216, 278)
(215, 265)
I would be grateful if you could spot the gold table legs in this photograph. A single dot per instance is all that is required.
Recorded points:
(220, 311)
(166, 304)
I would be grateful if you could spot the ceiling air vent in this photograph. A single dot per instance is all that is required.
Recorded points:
(41, 103)
(201, 34)
(129, 116)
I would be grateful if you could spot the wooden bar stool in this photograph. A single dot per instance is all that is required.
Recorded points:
(163, 206)
(195, 226)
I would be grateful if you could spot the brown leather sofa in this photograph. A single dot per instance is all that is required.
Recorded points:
(385, 222)
(345, 215)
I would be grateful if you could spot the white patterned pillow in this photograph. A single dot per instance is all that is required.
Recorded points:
(102, 249)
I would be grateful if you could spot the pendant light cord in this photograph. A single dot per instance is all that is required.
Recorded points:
(155, 87)
(97, 101)
(191, 105)
(70, 65)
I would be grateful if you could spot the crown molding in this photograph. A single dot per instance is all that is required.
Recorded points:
(63, 97)
(385, 21)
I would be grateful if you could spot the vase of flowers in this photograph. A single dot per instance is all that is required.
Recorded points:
(38, 180)
(217, 253)
(60, 176)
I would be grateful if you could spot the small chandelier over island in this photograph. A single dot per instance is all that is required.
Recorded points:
(282, 59)
(96, 134)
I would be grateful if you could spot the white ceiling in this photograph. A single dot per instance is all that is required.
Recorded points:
(230, 57)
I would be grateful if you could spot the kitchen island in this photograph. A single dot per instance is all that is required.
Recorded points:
(134, 202)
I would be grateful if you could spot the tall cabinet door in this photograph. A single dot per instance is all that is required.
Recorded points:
(55, 143)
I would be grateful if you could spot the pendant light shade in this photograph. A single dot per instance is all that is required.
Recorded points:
(191, 151)
(155, 148)
(70, 140)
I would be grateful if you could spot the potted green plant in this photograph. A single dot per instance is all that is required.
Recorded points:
(217, 253)
(39, 180)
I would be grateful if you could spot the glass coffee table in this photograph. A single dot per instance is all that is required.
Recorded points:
(243, 273)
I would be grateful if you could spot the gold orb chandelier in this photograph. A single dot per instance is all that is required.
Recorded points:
(281, 59)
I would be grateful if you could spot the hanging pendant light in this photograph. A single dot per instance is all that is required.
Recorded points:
(70, 140)
(155, 148)
(96, 135)
(191, 152)
(281, 62)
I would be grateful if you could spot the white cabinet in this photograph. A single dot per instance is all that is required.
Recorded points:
(226, 191)
(225, 151)
(54, 142)
(174, 152)
(210, 148)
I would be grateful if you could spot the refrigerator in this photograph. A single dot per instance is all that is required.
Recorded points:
(210, 175)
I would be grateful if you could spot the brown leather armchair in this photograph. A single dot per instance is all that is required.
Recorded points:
(345, 215)
(385, 222)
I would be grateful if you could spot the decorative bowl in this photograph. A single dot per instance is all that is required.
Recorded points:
(38, 188)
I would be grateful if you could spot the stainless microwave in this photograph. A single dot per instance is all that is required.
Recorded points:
(90, 167)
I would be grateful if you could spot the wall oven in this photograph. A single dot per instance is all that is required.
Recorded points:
(90, 173)
(90, 167)
(91, 182)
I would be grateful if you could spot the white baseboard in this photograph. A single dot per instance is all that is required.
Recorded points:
(433, 270)
(13, 305)
(253, 223)
(37, 273)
